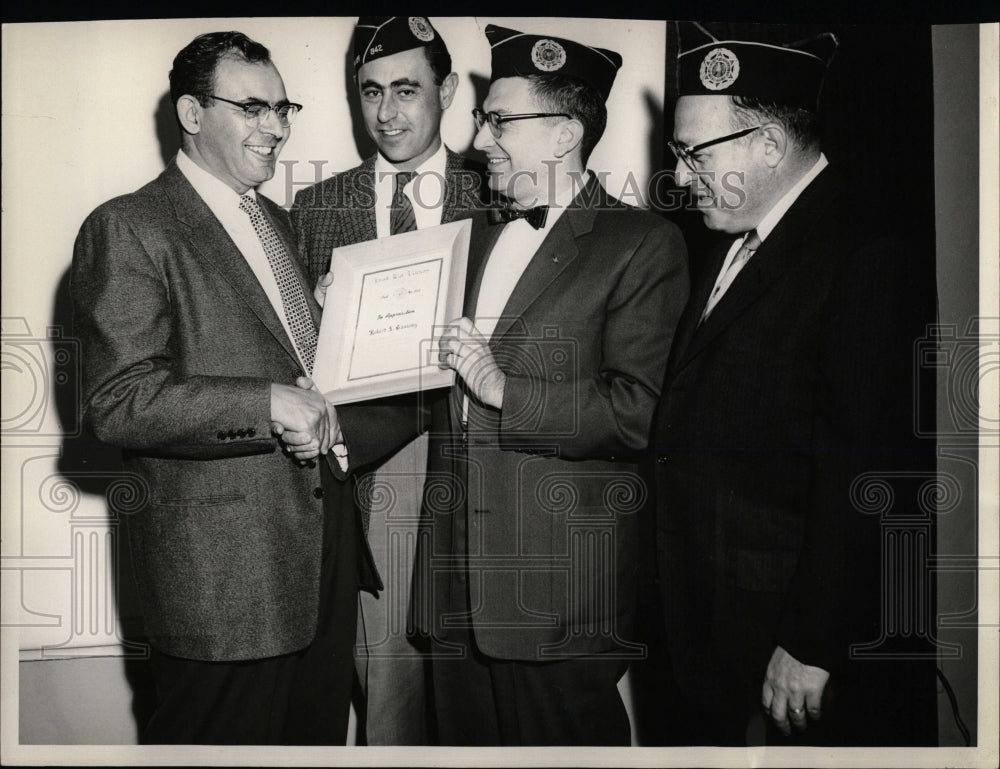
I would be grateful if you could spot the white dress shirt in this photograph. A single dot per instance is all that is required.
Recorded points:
(224, 203)
(513, 251)
(426, 191)
(729, 271)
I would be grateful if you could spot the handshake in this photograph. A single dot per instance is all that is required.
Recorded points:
(303, 420)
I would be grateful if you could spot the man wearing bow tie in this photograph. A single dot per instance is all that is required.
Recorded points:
(526, 573)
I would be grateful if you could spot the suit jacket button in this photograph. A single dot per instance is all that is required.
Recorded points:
(221, 435)
(232, 434)
(241, 433)
(318, 492)
(251, 432)
(612, 458)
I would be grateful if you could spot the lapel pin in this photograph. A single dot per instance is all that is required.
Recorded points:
(555, 259)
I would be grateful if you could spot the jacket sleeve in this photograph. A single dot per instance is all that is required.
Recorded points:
(867, 460)
(608, 409)
(136, 394)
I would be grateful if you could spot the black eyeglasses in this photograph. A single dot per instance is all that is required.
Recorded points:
(256, 112)
(495, 119)
(686, 154)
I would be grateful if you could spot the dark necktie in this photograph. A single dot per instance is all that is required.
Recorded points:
(402, 218)
(293, 298)
(534, 216)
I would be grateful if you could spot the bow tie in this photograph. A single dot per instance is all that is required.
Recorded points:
(534, 216)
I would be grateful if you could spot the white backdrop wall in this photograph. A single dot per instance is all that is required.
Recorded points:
(86, 117)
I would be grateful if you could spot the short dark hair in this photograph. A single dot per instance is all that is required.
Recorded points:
(800, 124)
(579, 100)
(439, 59)
(194, 67)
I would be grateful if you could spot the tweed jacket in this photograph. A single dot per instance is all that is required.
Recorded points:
(180, 346)
(340, 211)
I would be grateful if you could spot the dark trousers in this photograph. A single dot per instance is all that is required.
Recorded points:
(301, 698)
(481, 701)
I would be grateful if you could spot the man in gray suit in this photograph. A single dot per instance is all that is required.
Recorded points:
(404, 77)
(197, 328)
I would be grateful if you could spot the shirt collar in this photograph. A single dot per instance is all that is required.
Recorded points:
(771, 219)
(434, 164)
(215, 192)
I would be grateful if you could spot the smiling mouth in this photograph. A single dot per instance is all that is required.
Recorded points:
(261, 150)
(496, 161)
(390, 132)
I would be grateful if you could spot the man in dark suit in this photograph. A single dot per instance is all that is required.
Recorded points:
(197, 327)
(789, 400)
(527, 568)
(405, 82)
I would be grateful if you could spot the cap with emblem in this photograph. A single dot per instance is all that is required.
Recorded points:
(790, 74)
(378, 36)
(518, 54)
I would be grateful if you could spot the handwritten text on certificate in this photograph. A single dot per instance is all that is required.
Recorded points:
(396, 313)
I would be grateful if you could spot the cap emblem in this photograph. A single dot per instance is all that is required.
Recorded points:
(547, 55)
(719, 69)
(421, 29)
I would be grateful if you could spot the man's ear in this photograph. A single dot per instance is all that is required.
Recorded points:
(569, 137)
(189, 114)
(446, 91)
(775, 143)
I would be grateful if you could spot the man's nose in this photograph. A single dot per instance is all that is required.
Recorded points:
(271, 124)
(483, 137)
(685, 176)
(387, 108)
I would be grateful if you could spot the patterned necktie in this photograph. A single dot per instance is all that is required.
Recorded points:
(293, 298)
(750, 244)
(402, 218)
(534, 216)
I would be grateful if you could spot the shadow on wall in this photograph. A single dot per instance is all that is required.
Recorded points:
(167, 130)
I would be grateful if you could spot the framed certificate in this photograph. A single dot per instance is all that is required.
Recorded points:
(389, 301)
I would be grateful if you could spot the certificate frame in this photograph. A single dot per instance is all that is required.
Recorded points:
(389, 301)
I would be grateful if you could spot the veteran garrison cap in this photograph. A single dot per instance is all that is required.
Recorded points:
(518, 54)
(790, 74)
(378, 36)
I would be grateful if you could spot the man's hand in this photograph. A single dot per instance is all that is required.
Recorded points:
(792, 691)
(324, 282)
(302, 418)
(465, 350)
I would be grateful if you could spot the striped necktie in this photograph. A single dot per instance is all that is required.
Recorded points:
(402, 218)
(293, 298)
(750, 244)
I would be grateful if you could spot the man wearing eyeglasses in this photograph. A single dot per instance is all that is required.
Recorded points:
(198, 331)
(790, 392)
(527, 575)
(405, 84)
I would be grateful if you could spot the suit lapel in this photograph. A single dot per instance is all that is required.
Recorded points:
(774, 257)
(358, 210)
(211, 241)
(556, 253)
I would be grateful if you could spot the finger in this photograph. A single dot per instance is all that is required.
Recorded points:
(277, 428)
(296, 439)
(326, 279)
(779, 713)
(766, 696)
(302, 456)
(797, 714)
(305, 383)
(813, 705)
